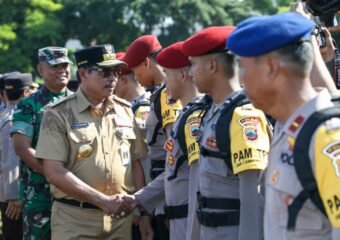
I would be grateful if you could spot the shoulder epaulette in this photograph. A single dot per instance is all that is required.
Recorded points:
(61, 100)
(121, 100)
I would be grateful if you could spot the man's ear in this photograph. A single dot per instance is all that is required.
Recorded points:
(272, 68)
(184, 74)
(212, 65)
(81, 73)
(40, 69)
(147, 62)
(123, 79)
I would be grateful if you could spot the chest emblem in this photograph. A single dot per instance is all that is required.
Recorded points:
(275, 176)
(85, 151)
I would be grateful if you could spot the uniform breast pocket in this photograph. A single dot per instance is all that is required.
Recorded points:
(83, 141)
(287, 185)
(125, 134)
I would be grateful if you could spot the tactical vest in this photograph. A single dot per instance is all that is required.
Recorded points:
(303, 166)
(140, 103)
(203, 106)
(223, 126)
(156, 100)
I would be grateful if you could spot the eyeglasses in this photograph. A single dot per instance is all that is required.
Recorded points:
(106, 72)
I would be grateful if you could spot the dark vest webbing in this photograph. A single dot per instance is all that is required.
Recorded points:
(203, 105)
(223, 126)
(141, 103)
(156, 99)
(302, 163)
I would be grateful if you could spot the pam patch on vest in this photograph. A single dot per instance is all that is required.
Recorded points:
(169, 145)
(250, 126)
(171, 160)
(333, 151)
(211, 142)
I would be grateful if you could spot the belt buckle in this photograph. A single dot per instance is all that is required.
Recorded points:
(81, 204)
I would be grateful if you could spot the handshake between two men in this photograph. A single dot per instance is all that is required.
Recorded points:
(120, 205)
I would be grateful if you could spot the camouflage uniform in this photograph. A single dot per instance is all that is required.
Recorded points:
(34, 188)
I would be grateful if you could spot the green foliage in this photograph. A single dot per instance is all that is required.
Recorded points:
(27, 25)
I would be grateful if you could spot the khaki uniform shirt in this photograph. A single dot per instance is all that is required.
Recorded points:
(249, 145)
(282, 184)
(96, 147)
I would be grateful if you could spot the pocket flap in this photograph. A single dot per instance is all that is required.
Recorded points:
(83, 134)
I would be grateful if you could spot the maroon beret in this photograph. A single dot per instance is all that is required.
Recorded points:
(173, 56)
(140, 49)
(123, 68)
(209, 40)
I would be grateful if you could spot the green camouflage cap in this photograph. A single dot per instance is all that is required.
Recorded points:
(53, 55)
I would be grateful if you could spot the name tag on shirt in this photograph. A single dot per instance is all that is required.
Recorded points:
(125, 154)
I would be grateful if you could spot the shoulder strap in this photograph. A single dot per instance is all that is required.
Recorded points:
(141, 103)
(302, 164)
(180, 135)
(223, 126)
(156, 99)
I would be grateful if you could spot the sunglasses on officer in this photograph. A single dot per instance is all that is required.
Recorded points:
(106, 72)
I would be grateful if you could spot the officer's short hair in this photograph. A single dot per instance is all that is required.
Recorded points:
(14, 94)
(297, 56)
(228, 62)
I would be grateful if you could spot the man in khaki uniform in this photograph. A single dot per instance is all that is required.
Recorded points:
(90, 146)
(283, 88)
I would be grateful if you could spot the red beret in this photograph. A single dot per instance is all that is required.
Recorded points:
(173, 56)
(140, 49)
(123, 68)
(209, 40)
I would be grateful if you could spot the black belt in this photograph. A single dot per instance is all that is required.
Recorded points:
(218, 219)
(157, 167)
(175, 212)
(206, 152)
(218, 203)
(76, 203)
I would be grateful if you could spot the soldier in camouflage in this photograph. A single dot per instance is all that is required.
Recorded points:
(34, 189)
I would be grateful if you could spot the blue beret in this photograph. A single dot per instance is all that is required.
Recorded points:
(259, 35)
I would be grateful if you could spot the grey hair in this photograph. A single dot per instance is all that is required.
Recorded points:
(296, 56)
